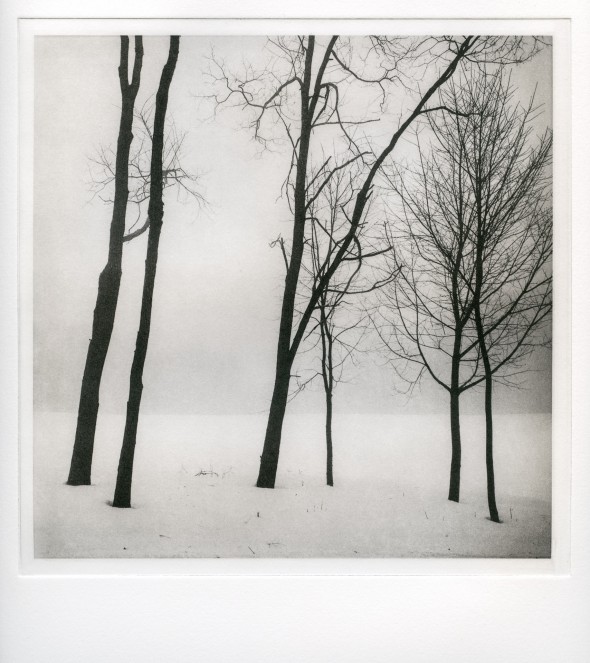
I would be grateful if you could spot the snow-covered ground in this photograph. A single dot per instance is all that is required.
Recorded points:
(194, 491)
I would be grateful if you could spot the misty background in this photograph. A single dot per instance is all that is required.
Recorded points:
(219, 284)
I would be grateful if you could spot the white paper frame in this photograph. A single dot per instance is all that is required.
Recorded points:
(536, 612)
(559, 563)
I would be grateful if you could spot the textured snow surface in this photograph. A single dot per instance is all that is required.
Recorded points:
(194, 491)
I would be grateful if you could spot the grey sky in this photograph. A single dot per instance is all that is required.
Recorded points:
(218, 287)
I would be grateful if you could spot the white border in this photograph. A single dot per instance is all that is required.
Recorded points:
(298, 619)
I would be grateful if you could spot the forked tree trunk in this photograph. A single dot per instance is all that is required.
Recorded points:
(122, 498)
(272, 441)
(110, 278)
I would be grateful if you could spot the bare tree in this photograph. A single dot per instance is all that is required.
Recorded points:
(110, 278)
(475, 285)
(305, 94)
(423, 317)
(122, 498)
(338, 323)
(510, 193)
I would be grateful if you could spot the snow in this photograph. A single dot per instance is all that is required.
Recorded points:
(194, 491)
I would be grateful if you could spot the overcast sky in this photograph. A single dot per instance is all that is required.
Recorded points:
(219, 284)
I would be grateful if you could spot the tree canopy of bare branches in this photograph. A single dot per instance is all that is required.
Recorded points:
(175, 176)
(475, 232)
(307, 88)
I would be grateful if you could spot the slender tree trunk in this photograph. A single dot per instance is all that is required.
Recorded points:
(328, 379)
(490, 452)
(455, 478)
(329, 457)
(125, 473)
(110, 278)
(122, 498)
(482, 236)
(491, 483)
(272, 441)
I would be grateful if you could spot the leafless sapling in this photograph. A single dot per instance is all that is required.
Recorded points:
(338, 323)
(475, 250)
(509, 189)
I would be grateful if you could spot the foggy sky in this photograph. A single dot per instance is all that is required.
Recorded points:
(219, 284)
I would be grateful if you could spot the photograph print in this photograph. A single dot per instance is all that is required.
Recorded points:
(292, 296)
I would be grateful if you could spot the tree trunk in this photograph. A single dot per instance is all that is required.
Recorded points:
(491, 484)
(269, 459)
(329, 467)
(490, 452)
(328, 379)
(272, 441)
(109, 281)
(455, 478)
(122, 498)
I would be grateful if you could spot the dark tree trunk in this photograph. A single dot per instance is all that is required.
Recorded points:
(122, 498)
(328, 379)
(329, 461)
(270, 454)
(482, 236)
(490, 452)
(491, 487)
(272, 441)
(109, 280)
(455, 478)
(455, 392)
